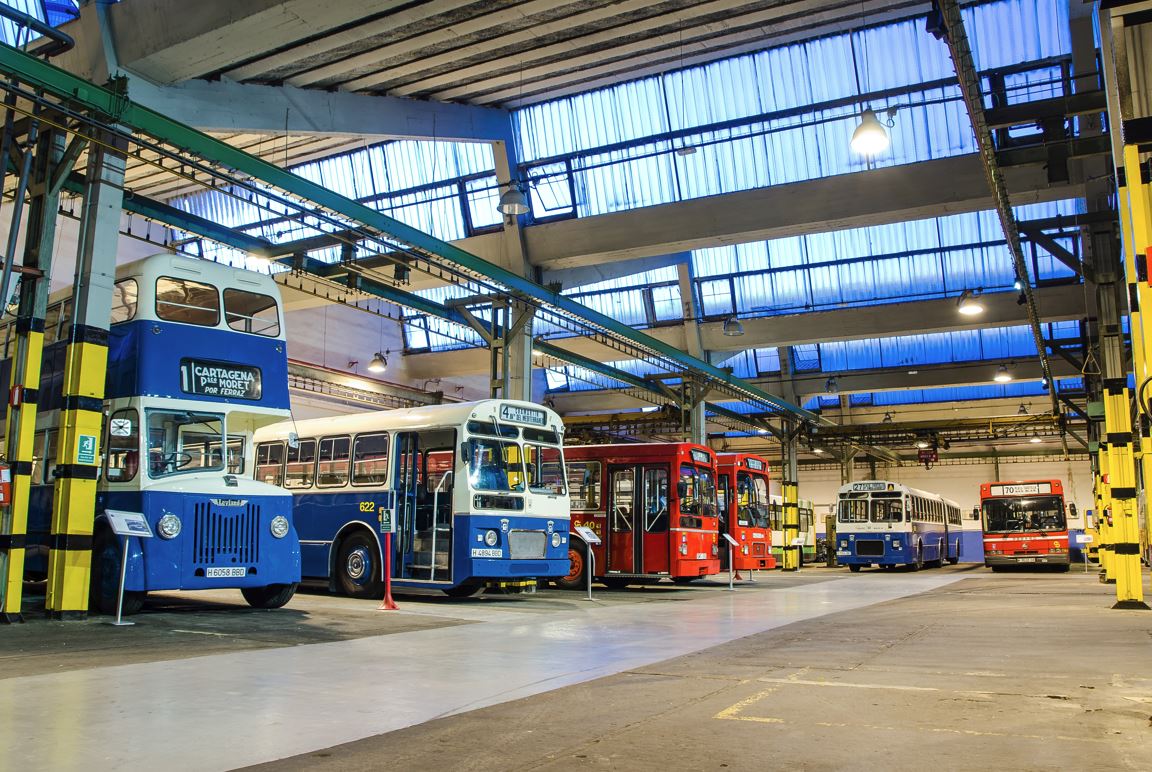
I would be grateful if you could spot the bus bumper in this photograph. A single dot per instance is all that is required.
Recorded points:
(1050, 558)
(525, 547)
(869, 551)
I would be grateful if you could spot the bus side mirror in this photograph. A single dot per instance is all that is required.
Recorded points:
(465, 454)
(293, 440)
(975, 513)
(1072, 509)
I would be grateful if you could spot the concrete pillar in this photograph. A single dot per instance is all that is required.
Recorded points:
(517, 360)
(86, 362)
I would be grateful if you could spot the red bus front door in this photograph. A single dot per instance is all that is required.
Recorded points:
(638, 519)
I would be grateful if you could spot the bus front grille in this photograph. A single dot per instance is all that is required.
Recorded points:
(870, 548)
(526, 544)
(228, 538)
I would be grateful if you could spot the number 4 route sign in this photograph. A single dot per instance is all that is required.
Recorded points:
(86, 449)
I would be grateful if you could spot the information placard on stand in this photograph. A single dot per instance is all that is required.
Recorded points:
(732, 545)
(125, 524)
(591, 539)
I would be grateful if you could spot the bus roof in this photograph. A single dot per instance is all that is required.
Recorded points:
(639, 450)
(412, 418)
(868, 486)
(748, 461)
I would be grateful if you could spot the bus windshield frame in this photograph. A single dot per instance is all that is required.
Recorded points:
(754, 514)
(172, 457)
(1024, 514)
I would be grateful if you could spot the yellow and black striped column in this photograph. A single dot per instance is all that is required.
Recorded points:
(790, 550)
(26, 356)
(1103, 502)
(1124, 532)
(79, 454)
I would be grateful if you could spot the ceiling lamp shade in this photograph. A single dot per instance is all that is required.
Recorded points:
(870, 136)
(378, 364)
(1035, 439)
(513, 201)
(969, 304)
(733, 327)
(1002, 375)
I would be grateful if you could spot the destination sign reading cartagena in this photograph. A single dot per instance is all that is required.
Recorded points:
(219, 379)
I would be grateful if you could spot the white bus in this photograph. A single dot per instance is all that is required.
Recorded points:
(477, 491)
(888, 524)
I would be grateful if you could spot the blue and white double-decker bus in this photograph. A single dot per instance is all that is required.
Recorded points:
(888, 524)
(196, 363)
(476, 490)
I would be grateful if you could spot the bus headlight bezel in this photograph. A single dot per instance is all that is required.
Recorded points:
(491, 537)
(169, 526)
(556, 539)
(279, 526)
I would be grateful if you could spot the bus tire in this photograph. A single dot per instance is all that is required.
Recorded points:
(358, 566)
(919, 564)
(854, 568)
(463, 590)
(954, 560)
(270, 596)
(104, 586)
(577, 578)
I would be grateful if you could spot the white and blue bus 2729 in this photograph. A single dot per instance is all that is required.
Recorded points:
(476, 490)
(196, 363)
(888, 524)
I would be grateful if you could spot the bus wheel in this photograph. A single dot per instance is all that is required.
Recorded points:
(955, 560)
(854, 568)
(577, 565)
(358, 566)
(919, 564)
(463, 590)
(104, 586)
(270, 596)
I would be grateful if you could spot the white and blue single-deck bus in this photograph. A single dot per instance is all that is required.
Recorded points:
(196, 363)
(476, 492)
(881, 523)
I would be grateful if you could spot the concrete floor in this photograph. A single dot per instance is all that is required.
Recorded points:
(955, 668)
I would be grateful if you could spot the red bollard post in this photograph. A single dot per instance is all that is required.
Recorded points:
(387, 604)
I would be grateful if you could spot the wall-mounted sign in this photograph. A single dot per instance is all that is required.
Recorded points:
(220, 379)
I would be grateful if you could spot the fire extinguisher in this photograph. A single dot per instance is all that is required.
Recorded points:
(5, 484)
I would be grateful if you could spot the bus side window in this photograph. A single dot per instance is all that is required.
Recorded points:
(124, 294)
(123, 448)
(270, 463)
(370, 459)
(333, 459)
(584, 484)
(300, 467)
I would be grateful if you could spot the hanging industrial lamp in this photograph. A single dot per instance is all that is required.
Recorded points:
(870, 136)
(1002, 375)
(378, 363)
(733, 327)
(513, 201)
(969, 303)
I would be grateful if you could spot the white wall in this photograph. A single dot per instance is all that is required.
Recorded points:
(961, 483)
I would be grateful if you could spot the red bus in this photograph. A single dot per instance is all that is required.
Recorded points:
(1025, 523)
(742, 492)
(649, 530)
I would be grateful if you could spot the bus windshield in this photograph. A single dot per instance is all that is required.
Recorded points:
(697, 492)
(1044, 513)
(184, 441)
(751, 500)
(853, 511)
(495, 465)
(887, 511)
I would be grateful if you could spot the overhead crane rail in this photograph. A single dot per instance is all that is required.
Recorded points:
(182, 150)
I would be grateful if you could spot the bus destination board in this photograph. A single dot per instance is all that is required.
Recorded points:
(220, 379)
(1021, 489)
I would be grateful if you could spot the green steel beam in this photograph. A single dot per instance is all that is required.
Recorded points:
(597, 367)
(88, 96)
(732, 415)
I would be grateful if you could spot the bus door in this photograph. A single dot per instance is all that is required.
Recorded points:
(654, 550)
(622, 544)
(424, 503)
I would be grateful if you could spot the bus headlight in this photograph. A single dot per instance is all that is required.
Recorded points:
(683, 548)
(491, 538)
(279, 526)
(169, 526)
(745, 549)
(555, 539)
(715, 550)
(895, 545)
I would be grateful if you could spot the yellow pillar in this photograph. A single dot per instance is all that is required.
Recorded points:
(1124, 536)
(1135, 199)
(791, 511)
(1103, 505)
